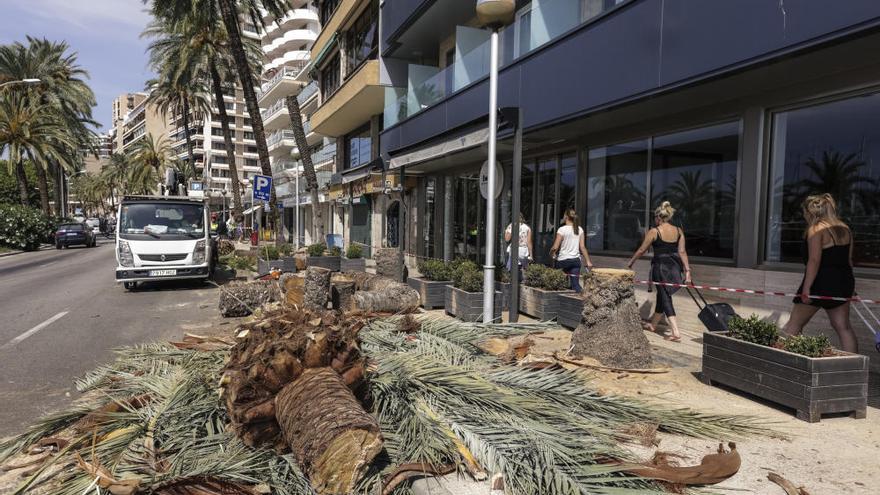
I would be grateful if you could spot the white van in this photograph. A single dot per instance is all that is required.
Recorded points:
(163, 238)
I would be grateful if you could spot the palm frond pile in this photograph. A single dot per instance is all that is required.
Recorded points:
(153, 422)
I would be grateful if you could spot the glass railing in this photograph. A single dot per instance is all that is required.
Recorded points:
(544, 22)
(277, 136)
(307, 92)
(273, 109)
(290, 71)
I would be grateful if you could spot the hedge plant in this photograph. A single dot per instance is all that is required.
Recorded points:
(354, 252)
(434, 270)
(808, 345)
(24, 228)
(753, 329)
(316, 250)
(468, 277)
(546, 278)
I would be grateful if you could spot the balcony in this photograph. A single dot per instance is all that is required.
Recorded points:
(283, 83)
(275, 117)
(280, 141)
(344, 11)
(293, 19)
(291, 40)
(307, 92)
(286, 58)
(359, 98)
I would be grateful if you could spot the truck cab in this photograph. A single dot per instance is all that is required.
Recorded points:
(163, 238)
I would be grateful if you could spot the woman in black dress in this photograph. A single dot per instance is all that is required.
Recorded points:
(669, 264)
(828, 256)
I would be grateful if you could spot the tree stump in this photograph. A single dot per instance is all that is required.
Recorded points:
(333, 439)
(317, 288)
(241, 299)
(342, 292)
(389, 263)
(611, 328)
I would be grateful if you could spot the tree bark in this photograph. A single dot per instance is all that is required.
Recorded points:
(58, 178)
(299, 136)
(227, 139)
(189, 147)
(229, 13)
(332, 437)
(317, 288)
(43, 187)
(21, 176)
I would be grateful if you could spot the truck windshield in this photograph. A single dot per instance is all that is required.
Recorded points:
(158, 220)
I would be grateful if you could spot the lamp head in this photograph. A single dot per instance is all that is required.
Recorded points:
(495, 13)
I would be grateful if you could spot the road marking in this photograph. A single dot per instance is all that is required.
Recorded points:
(33, 330)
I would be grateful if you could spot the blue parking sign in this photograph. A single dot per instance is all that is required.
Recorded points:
(262, 187)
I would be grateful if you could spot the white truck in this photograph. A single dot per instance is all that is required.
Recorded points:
(163, 238)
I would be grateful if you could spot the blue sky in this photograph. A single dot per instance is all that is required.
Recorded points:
(104, 33)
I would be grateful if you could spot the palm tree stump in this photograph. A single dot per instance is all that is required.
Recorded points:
(333, 439)
(610, 329)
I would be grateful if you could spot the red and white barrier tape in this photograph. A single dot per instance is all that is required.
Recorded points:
(758, 292)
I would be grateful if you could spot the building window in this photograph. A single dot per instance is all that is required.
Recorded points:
(250, 162)
(362, 40)
(248, 135)
(829, 148)
(220, 159)
(247, 121)
(216, 131)
(359, 148)
(326, 10)
(250, 149)
(330, 77)
(694, 170)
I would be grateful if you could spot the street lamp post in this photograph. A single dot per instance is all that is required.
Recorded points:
(23, 81)
(493, 14)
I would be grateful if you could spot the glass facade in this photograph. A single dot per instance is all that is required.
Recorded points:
(828, 148)
(694, 170)
(359, 148)
(362, 41)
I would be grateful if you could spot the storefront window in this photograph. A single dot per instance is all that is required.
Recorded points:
(617, 181)
(830, 148)
(359, 148)
(567, 183)
(546, 219)
(696, 172)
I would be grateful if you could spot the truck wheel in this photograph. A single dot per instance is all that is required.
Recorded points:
(129, 285)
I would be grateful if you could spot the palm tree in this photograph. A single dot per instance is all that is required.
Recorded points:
(299, 136)
(150, 157)
(116, 173)
(692, 195)
(231, 11)
(62, 88)
(33, 130)
(179, 92)
(840, 175)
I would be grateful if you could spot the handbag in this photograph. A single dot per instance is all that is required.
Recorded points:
(713, 316)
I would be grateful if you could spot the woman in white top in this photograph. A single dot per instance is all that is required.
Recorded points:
(568, 247)
(524, 253)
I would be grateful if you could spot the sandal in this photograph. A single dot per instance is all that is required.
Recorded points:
(672, 338)
(648, 326)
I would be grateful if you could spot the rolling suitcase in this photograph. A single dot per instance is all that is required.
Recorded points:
(713, 316)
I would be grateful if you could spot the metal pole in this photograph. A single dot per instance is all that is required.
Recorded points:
(296, 243)
(401, 223)
(489, 267)
(515, 209)
(448, 184)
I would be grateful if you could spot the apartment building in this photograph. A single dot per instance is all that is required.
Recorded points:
(287, 44)
(733, 111)
(94, 160)
(350, 99)
(136, 122)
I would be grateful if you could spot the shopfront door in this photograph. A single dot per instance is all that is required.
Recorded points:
(360, 223)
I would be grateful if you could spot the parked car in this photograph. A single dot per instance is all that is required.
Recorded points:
(69, 234)
(95, 224)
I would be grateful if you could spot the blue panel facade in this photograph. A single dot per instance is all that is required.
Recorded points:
(637, 50)
(395, 15)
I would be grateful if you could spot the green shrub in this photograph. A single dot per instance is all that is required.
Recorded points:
(810, 346)
(317, 249)
(354, 252)
(240, 262)
(268, 252)
(24, 228)
(753, 329)
(468, 277)
(286, 249)
(335, 251)
(546, 278)
(434, 270)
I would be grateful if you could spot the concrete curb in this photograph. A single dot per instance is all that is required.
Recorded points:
(43, 247)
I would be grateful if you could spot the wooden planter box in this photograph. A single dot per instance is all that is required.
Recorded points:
(571, 306)
(352, 265)
(468, 306)
(811, 386)
(331, 263)
(539, 303)
(284, 264)
(504, 288)
(431, 293)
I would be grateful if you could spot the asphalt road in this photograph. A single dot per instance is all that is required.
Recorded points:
(62, 314)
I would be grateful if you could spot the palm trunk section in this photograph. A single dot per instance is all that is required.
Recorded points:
(230, 20)
(299, 136)
(58, 178)
(189, 147)
(43, 187)
(22, 183)
(227, 139)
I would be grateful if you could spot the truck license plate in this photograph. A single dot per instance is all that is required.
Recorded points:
(163, 273)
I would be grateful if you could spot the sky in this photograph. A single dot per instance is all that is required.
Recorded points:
(105, 34)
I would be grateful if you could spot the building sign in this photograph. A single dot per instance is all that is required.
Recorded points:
(358, 188)
(484, 179)
(335, 192)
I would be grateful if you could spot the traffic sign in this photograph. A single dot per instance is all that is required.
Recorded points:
(262, 187)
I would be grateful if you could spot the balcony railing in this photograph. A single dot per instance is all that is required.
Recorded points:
(428, 85)
(290, 71)
(307, 92)
(273, 109)
(277, 136)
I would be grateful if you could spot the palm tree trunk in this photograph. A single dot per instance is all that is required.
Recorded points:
(22, 184)
(299, 136)
(43, 187)
(58, 177)
(227, 139)
(189, 148)
(230, 20)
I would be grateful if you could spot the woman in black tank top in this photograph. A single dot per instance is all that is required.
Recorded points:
(669, 265)
(828, 260)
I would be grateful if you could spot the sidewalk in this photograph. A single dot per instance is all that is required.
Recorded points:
(43, 247)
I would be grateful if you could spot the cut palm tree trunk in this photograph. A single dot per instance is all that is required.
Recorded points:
(381, 294)
(317, 288)
(610, 329)
(332, 437)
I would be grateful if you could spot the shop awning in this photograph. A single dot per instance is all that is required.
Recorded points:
(439, 150)
(316, 62)
(358, 173)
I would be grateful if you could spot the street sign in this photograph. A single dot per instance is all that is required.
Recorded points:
(484, 179)
(262, 187)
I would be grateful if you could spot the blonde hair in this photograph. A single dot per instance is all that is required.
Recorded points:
(664, 211)
(821, 208)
